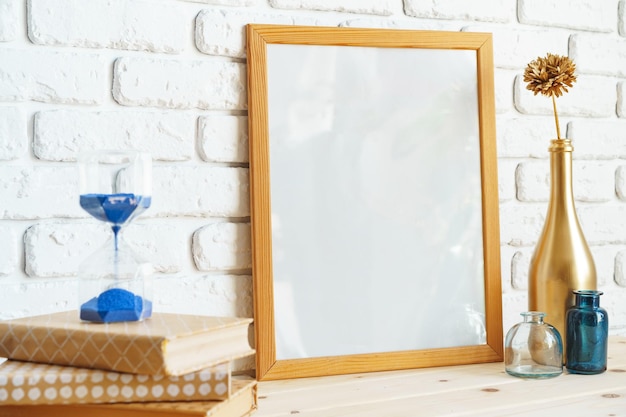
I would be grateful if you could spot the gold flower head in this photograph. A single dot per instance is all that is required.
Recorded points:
(550, 76)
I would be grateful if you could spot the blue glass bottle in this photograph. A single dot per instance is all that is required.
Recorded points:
(587, 334)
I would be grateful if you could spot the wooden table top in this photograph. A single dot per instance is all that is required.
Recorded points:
(469, 390)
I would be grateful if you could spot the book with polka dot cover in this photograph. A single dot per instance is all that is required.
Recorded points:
(242, 402)
(36, 383)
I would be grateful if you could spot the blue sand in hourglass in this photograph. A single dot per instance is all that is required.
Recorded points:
(114, 208)
(115, 304)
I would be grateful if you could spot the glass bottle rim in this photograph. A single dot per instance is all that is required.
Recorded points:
(590, 293)
(538, 315)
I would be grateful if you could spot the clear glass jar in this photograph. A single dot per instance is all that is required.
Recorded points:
(587, 334)
(533, 349)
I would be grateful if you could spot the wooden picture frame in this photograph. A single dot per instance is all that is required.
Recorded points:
(285, 61)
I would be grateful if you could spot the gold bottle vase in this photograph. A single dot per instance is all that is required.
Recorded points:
(562, 261)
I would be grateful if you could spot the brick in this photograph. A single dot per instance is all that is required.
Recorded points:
(506, 255)
(592, 181)
(228, 2)
(223, 138)
(35, 297)
(577, 14)
(503, 81)
(520, 265)
(513, 304)
(58, 249)
(620, 182)
(521, 224)
(591, 96)
(533, 181)
(620, 268)
(223, 32)
(516, 48)
(38, 192)
(604, 259)
(13, 133)
(131, 25)
(207, 85)
(214, 295)
(525, 137)
(165, 246)
(60, 134)
(200, 191)
(603, 223)
(376, 7)
(406, 24)
(506, 179)
(621, 16)
(8, 20)
(597, 139)
(222, 246)
(621, 99)
(9, 250)
(613, 302)
(52, 77)
(493, 11)
(598, 54)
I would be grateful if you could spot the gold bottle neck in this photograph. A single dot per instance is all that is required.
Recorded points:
(561, 172)
(561, 145)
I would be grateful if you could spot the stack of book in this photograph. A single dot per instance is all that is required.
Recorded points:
(171, 364)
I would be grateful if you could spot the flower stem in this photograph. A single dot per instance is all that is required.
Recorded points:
(556, 118)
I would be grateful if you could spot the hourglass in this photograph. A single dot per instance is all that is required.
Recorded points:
(114, 282)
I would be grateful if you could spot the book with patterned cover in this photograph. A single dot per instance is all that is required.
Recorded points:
(37, 383)
(164, 344)
(242, 402)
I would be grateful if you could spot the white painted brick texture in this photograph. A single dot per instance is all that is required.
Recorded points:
(55, 249)
(222, 246)
(66, 77)
(593, 181)
(621, 99)
(9, 251)
(60, 134)
(377, 7)
(223, 32)
(38, 192)
(200, 191)
(13, 133)
(223, 138)
(493, 11)
(169, 83)
(135, 25)
(599, 16)
(169, 77)
(8, 20)
(598, 54)
(598, 139)
(592, 96)
(514, 48)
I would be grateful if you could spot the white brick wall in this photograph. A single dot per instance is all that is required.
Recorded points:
(135, 25)
(169, 76)
(23, 77)
(58, 135)
(180, 84)
(8, 20)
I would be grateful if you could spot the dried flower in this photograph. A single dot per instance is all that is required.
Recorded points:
(551, 76)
